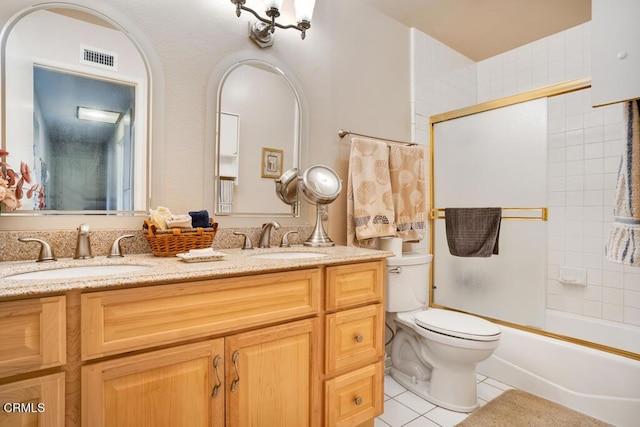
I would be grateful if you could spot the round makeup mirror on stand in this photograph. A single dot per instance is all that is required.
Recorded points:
(319, 185)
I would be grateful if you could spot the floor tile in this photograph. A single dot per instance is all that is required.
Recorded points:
(488, 392)
(379, 423)
(391, 387)
(421, 422)
(402, 408)
(396, 414)
(497, 384)
(445, 417)
(415, 402)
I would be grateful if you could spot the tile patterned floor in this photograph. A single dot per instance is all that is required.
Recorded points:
(402, 408)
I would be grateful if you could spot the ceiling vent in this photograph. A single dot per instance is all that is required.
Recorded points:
(98, 58)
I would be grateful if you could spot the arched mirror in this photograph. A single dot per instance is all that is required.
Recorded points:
(258, 138)
(75, 90)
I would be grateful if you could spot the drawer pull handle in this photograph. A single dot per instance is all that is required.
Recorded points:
(357, 401)
(216, 388)
(234, 358)
(359, 338)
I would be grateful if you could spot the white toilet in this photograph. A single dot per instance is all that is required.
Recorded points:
(434, 352)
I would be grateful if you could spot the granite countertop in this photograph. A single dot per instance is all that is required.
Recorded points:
(162, 270)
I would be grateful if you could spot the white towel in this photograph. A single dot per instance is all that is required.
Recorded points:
(624, 238)
(370, 210)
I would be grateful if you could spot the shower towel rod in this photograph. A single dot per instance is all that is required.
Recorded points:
(342, 133)
(542, 216)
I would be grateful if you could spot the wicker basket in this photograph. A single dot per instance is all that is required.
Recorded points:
(170, 244)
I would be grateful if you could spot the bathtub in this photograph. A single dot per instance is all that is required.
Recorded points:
(611, 334)
(603, 385)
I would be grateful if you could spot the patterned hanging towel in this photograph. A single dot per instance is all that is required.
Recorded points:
(369, 200)
(624, 238)
(407, 167)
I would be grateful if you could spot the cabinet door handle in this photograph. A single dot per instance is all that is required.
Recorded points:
(357, 401)
(234, 358)
(216, 388)
(359, 338)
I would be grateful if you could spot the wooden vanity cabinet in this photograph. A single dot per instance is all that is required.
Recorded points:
(246, 374)
(354, 343)
(32, 336)
(297, 348)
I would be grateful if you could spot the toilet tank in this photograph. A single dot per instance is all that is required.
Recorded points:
(407, 282)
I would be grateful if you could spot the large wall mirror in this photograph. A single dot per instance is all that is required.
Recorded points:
(550, 161)
(75, 107)
(258, 138)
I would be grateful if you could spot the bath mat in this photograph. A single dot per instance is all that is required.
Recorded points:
(518, 408)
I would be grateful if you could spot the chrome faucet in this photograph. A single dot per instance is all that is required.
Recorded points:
(83, 244)
(265, 233)
(116, 247)
(46, 253)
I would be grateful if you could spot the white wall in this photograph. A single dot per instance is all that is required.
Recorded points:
(353, 68)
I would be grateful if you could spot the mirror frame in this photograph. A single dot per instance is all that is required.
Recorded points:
(4, 35)
(545, 92)
(295, 208)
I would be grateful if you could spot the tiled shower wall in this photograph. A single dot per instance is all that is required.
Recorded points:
(584, 153)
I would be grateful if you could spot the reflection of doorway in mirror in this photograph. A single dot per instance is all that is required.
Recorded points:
(90, 157)
(271, 163)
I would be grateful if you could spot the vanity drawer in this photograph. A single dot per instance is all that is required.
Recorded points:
(354, 337)
(355, 397)
(130, 319)
(33, 334)
(354, 284)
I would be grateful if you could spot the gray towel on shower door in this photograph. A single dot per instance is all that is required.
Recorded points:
(473, 232)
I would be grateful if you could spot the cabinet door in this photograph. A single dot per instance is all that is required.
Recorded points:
(32, 333)
(37, 402)
(615, 51)
(355, 397)
(176, 387)
(354, 337)
(354, 284)
(272, 376)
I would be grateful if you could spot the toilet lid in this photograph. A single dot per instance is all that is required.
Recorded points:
(457, 324)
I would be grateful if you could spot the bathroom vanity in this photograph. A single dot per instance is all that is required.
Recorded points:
(236, 342)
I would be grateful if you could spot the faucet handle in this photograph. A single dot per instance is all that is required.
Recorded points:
(46, 253)
(247, 240)
(284, 243)
(116, 247)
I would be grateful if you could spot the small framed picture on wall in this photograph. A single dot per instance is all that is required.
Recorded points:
(271, 163)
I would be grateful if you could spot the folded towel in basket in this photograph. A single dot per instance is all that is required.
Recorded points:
(200, 219)
(179, 221)
(473, 232)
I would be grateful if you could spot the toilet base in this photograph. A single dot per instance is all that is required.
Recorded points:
(422, 389)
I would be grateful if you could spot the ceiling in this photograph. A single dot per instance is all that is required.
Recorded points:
(480, 29)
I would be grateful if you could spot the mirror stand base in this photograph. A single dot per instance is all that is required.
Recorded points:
(319, 237)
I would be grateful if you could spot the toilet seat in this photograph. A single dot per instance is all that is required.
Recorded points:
(457, 325)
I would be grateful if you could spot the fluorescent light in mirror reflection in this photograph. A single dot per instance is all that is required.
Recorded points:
(98, 115)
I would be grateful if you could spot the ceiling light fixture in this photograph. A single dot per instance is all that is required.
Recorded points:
(261, 31)
(94, 115)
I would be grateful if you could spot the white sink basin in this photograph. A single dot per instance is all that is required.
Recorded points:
(79, 272)
(289, 255)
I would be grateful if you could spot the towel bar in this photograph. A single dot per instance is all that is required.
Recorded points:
(342, 133)
(438, 213)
